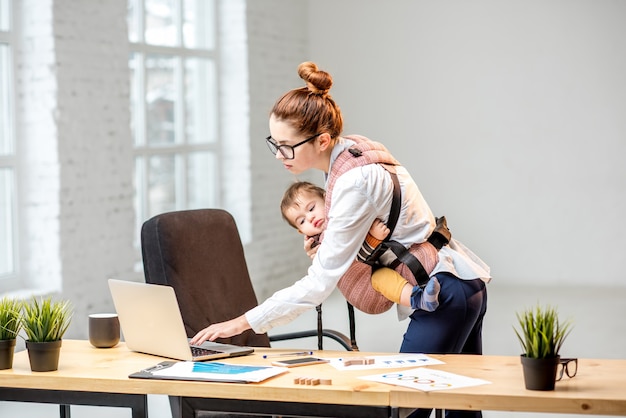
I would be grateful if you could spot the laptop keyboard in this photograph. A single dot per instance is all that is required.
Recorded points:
(200, 351)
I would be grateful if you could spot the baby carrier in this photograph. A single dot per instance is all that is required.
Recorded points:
(415, 263)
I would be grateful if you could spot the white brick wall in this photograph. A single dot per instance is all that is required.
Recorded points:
(275, 48)
(95, 148)
(235, 110)
(73, 86)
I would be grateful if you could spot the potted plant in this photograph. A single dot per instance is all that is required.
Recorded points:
(9, 328)
(541, 336)
(44, 323)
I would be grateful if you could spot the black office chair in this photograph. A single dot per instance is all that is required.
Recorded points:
(199, 253)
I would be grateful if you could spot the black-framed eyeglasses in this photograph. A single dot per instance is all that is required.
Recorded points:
(287, 151)
(568, 366)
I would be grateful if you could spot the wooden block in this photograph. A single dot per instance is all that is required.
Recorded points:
(358, 361)
(311, 381)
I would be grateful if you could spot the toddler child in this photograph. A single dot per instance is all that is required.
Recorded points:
(303, 207)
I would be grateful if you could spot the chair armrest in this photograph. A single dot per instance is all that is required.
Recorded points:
(328, 333)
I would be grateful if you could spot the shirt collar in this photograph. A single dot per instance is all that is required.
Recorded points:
(341, 145)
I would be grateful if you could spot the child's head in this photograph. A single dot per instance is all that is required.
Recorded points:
(303, 208)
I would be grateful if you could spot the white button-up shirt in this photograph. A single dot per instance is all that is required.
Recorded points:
(360, 196)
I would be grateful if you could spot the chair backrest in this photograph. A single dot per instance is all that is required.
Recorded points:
(199, 253)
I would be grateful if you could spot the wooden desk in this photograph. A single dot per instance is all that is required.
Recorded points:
(599, 388)
(91, 376)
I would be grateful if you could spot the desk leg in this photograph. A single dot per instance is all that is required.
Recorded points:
(64, 411)
(140, 408)
(405, 412)
(176, 406)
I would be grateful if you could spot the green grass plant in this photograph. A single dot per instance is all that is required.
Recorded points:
(44, 320)
(10, 311)
(541, 334)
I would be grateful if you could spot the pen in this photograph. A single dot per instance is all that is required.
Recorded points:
(299, 353)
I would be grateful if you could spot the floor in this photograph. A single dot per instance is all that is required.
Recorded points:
(598, 332)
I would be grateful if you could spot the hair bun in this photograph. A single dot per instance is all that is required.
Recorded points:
(317, 81)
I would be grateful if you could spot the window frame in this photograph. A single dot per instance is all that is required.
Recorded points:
(181, 149)
(10, 280)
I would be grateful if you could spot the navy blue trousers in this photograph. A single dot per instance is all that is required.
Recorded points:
(454, 328)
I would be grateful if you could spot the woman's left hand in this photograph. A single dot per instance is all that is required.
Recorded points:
(221, 330)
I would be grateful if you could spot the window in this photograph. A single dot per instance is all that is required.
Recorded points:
(8, 191)
(174, 102)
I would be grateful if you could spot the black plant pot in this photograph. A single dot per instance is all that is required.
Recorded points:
(44, 356)
(539, 373)
(7, 347)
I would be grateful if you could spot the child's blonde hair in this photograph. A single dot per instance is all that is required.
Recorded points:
(294, 191)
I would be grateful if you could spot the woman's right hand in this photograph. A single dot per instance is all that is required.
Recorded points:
(221, 330)
(310, 246)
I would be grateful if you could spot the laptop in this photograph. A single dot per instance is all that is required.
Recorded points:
(151, 323)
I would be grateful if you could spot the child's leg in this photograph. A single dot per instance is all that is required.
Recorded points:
(394, 287)
(391, 285)
(426, 299)
(405, 297)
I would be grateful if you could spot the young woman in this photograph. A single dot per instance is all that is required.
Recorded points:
(306, 126)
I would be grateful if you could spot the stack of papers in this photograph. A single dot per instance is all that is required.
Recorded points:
(210, 371)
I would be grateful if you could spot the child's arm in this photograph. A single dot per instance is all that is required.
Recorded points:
(311, 245)
(377, 233)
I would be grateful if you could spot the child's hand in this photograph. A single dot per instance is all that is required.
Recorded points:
(379, 230)
(310, 246)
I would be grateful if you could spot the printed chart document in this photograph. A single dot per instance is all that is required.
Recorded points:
(425, 379)
(209, 371)
(380, 362)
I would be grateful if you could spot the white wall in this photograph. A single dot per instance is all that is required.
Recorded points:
(511, 116)
(500, 89)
